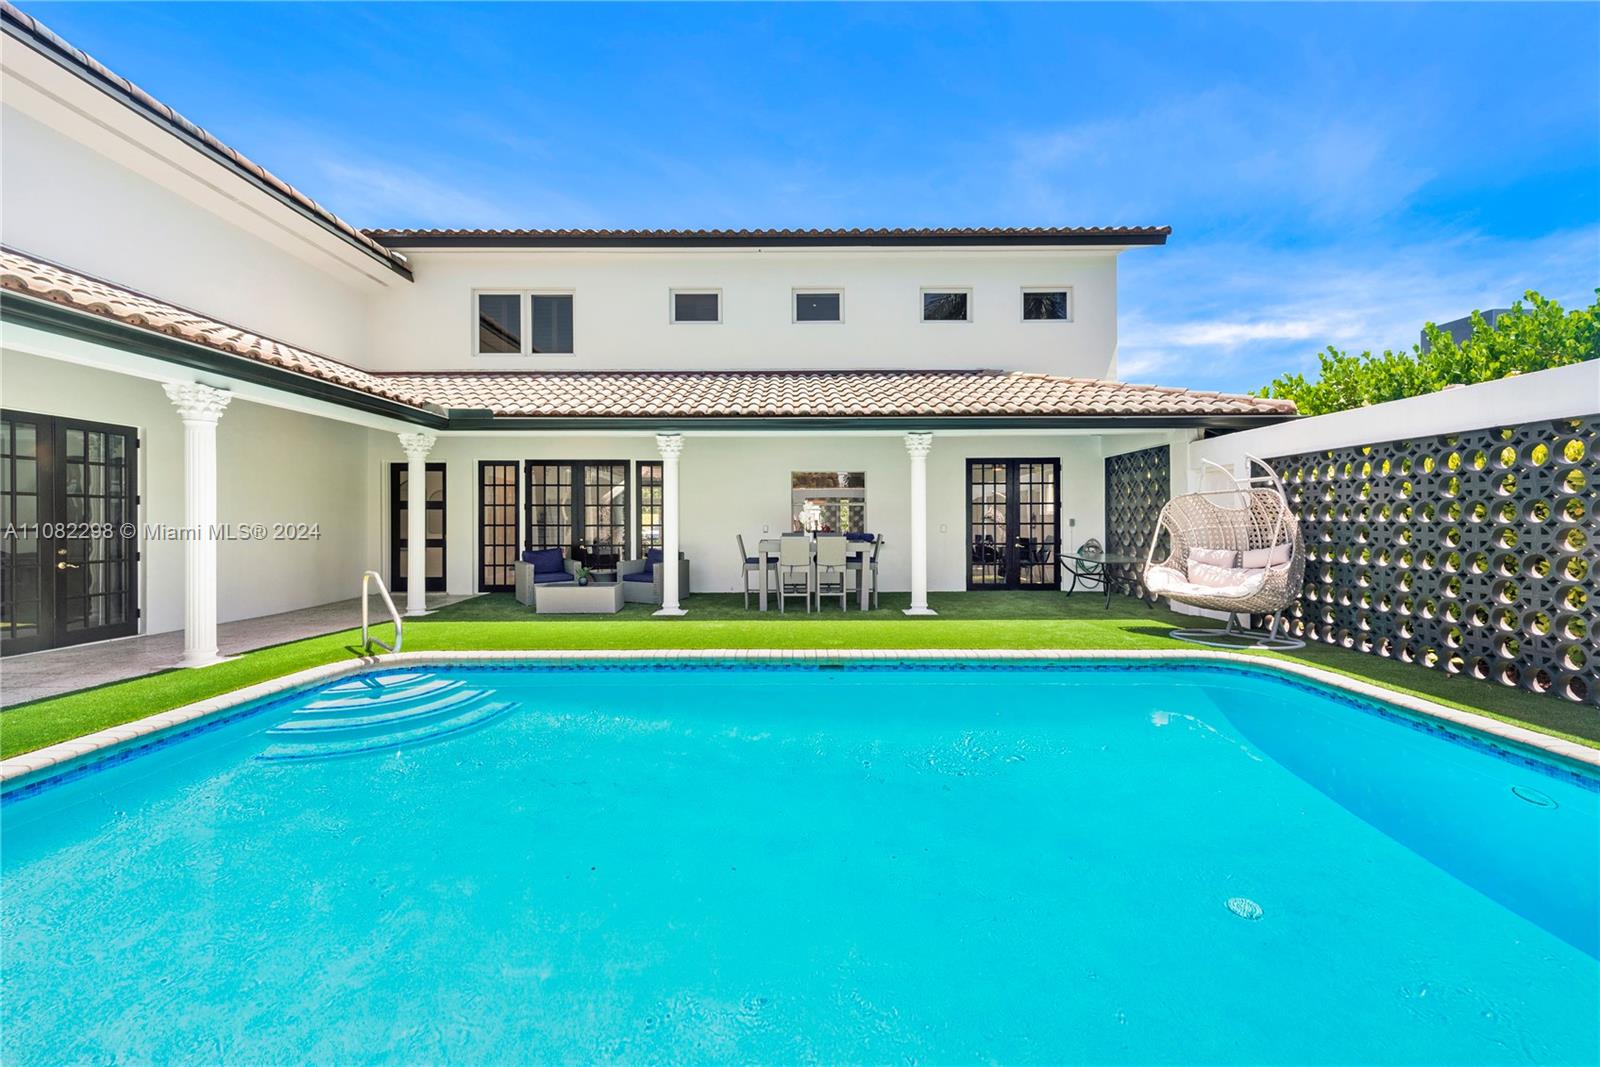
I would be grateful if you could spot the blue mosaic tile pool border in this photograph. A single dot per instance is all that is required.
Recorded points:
(1449, 732)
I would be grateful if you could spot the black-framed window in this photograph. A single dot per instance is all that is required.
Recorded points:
(1046, 305)
(580, 507)
(704, 306)
(499, 323)
(551, 318)
(400, 526)
(497, 525)
(648, 504)
(945, 305)
(819, 306)
(524, 323)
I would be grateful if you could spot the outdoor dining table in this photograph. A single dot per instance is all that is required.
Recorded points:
(768, 551)
(1092, 566)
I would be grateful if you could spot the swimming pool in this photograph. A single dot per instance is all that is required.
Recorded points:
(914, 863)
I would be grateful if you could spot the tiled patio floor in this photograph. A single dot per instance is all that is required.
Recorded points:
(62, 670)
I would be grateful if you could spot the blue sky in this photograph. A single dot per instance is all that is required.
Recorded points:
(1333, 174)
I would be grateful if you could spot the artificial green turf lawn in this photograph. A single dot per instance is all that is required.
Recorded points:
(965, 620)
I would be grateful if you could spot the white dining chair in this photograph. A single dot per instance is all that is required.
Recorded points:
(863, 563)
(831, 568)
(752, 565)
(794, 569)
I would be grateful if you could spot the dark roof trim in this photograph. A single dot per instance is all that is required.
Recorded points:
(1040, 237)
(28, 31)
(461, 420)
(96, 329)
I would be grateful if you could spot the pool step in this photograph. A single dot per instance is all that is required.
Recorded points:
(421, 708)
(477, 713)
(384, 680)
(380, 696)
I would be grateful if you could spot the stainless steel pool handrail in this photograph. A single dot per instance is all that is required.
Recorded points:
(367, 640)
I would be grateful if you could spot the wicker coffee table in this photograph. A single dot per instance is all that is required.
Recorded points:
(570, 598)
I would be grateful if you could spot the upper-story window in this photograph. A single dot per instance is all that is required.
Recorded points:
(499, 323)
(1047, 305)
(524, 323)
(818, 305)
(946, 305)
(696, 305)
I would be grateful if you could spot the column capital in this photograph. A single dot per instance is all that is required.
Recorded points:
(196, 402)
(417, 445)
(919, 444)
(670, 445)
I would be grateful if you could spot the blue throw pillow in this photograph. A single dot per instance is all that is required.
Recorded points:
(653, 556)
(860, 537)
(545, 560)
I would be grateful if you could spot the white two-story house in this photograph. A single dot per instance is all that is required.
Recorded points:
(189, 340)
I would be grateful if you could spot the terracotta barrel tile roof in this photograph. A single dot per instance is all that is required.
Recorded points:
(645, 394)
(21, 273)
(817, 394)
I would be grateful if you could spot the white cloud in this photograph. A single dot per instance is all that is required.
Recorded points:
(373, 192)
(1228, 151)
(1194, 315)
(1227, 334)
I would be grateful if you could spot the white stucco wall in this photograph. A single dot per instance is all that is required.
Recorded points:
(740, 485)
(621, 310)
(274, 466)
(1561, 392)
(66, 201)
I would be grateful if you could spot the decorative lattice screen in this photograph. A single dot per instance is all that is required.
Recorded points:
(1473, 553)
(1138, 484)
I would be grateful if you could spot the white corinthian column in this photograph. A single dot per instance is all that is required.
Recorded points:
(670, 446)
(200, 407)
(416, 447)
(917, 447)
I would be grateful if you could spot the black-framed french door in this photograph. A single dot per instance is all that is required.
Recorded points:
(648, 505)
(580, 506)
(1013, 523)
(400, 529)
(69, 505)
(497, 525)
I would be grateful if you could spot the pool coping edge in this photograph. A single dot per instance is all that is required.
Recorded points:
(28, 767)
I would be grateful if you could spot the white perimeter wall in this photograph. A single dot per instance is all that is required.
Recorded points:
(274, 466)
(1561, 392)
(621, 310)
(740, 485)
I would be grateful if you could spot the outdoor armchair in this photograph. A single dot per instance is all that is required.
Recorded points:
(542, 566)
(642, 578)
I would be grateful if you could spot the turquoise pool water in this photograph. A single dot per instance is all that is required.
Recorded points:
(887, 864)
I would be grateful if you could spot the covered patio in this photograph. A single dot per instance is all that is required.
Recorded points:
(223, 439)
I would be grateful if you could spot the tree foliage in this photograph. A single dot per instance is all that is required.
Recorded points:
(1529, 337)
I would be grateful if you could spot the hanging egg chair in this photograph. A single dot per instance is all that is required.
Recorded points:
(1235, 549)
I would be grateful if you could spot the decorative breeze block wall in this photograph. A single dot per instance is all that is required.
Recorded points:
(1473, 553)
(1138, 485)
